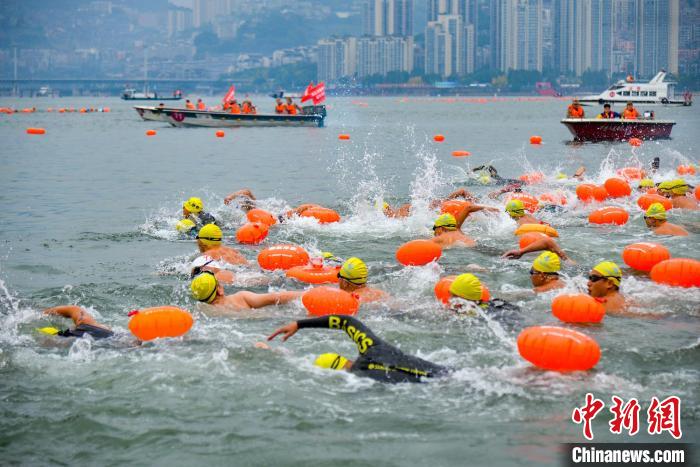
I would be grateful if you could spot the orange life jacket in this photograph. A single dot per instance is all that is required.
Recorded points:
(235, 109)
(190, 106)
(575, 112)
(201, 106)
(630, 114)
(247, 108)
(291, 109)
(280, 108)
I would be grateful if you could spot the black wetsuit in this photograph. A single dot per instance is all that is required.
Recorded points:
(79, 331)
(378, 360)
(202, 218)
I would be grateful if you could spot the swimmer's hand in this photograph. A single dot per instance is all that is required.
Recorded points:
(262, 345)
(289, 330)
(512, 254)
(579, 172)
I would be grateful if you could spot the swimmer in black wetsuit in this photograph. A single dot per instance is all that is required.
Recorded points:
(84, 323)
(378, 360)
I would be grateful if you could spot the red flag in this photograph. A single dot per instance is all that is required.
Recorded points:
(230, 94)
(318, 94)
(307, 92)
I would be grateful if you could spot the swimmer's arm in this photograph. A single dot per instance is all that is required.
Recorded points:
(579, 172)
(260, 300)
(540, 245)
(461, 193)
(301, 208)
(466, 210)
(245, 193)
(73, 312)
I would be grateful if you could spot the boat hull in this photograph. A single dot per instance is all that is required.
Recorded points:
(204, 118)
(127, 98)
(594, 129)
(636, 100)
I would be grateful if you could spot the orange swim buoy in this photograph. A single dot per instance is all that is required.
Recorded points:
(314, 273)
(648, 199)
(453, 206)
(609, 215)
(697, 192)
(530, 202)
(220, 134)
(252, 233)
(535, 139)
(584, 192)
(558, 349)
(631, 173)
(282, 257)
(532, 178)
(557, 198)
(260, 215)
(36, 131)
(685, 170)
(635, 142)
(158, 322)
(151, 133)
(677, 272)
(324, 300)
(542, 228)
(439, 138)
(418, 252)
(617, 187)
(461, 153)
(529, 238)
(645, 255)
(577, 308)
(106, 110)
(322, 215)
(599, 193)
(343, 137)
(442, 290)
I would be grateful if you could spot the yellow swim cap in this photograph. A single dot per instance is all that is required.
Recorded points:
(194, 205)
(679, 187)
(646, 183)
(354, 270)
(665, 187)
(547, 262)
(561, 176)
(446, 221)
(656, 211)
(467, 286)
(485, 179)
(609, 270)
(331, 361)
(185, 225)
(203, 287)
(210, 235)
(515, 208)
(48, 330)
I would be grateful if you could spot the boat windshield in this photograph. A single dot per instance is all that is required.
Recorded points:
(615, 87)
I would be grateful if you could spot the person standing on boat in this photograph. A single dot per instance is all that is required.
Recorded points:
(608, 113)
(575, 110)
(291, 107)
(630, 113)
(200, 105)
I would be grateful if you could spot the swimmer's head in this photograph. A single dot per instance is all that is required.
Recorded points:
(665, 188)
(185, 226)
(332, 361)
(467, 286)
(679, 187)
(604, 278)
(561, 176)
(210, 235)
(446, 221)
(354, 271)
(330, 258)
(204, 287)
(193, 205)
(645, 183)
(656, 211)
(485, 179)
(515, 208)
(545, 268)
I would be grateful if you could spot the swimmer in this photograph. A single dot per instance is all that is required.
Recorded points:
(544, 273)
(193, 209)
(468, 288)
(543, 244)
(247, 199)
(187, 228)
(677, 190)
(405, 209)
(352, 278)
(84, 323)
(209, 241)
(205, 288)
(516, 210)
(645, 184)
(207, 263)
(604, 285)
(516, 186)
(655, 218)
(447, 233)
(377, 360)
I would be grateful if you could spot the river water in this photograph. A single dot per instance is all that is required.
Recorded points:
(88, 216)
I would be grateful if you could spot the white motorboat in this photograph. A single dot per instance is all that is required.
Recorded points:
(656, 91)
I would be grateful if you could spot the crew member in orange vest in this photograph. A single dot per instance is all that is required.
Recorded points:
(630, 113)
(235, 108)
(189, 105)
(200, 105)
(248, 108)
(292, 108)
(280, 107)
(575, 110)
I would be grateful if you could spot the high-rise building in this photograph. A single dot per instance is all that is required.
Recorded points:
(205, 11)
(583, 35)
(517, 32)
(657, 33)
(449, 46)
(336, 58)
(364, 56)
(179, 19)
(387, 18)
(467, 9)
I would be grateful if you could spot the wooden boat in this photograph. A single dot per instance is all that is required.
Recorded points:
(310, 116)
(604, 129)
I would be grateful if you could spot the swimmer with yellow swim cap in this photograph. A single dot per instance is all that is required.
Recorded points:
(210, 241)
(84, 322)
(377, 359)
(677, 190)
(516, 210)
(186, 227)
(206, 288)
(604, 285)
(655, 218)
(405, 209)
(544, 273)
(193, 210)
(352, 278)
(468, 287)
(447, 233)
(645, 184)
(247, 202)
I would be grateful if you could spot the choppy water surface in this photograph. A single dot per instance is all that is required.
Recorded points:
(88, 216)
